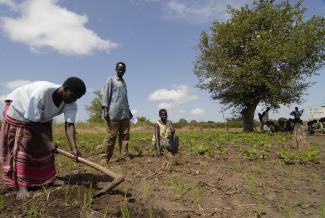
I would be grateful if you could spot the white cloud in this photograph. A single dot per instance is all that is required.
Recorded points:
(15, 83)
(45, 24)
(180, 95)
(200, 11)
(171, 97)
(165, 105)
(197, 111)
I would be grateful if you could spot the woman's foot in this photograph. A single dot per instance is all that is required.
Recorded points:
(22, 193)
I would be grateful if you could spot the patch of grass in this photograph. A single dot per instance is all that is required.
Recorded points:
(252, 184)
(88, 197)
(286, 155)
(253, 153)
(34, 212)
(177, 186)
(117, 169)
(196, 193)
(312, 154)
(2, 202)
(221, 150)
(147, 190)
(106, 212)
(322, 209)
(290, 213)
(124, 209)
(78, 193)
(151, 150)
(67, 194)
(200, 148)
(260, 208)
(150, 212)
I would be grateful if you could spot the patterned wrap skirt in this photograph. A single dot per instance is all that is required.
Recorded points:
(24, 156)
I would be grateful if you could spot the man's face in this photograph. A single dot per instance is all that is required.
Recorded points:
(120, 70)
(69, 96)
(163, 116)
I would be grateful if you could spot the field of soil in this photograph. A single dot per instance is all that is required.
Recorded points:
(221, 181)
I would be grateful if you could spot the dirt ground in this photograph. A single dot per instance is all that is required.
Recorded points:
(183, 186)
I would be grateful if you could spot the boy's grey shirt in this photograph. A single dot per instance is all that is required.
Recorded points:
(114, 96)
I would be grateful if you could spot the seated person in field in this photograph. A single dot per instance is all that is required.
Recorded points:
(290, 125)
(267, 128)
(281, 125)
(164, 136)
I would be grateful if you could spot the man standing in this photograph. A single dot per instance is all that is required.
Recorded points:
(116, 112)
(26, 143)
(264, 117)
(297, 114)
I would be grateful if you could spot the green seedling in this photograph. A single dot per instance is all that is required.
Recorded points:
(196, 193)
(178, 188)
(312, 154)
(150, 212)
(106, 213)
(124, 209)
(2, 202)
(252, 184)
(147, 190)
(260, 208)
(34, 212)
(67, 194)
(286, 155)
(322, 209)
(88, 197)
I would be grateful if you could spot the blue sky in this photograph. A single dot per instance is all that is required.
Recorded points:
(54, 39)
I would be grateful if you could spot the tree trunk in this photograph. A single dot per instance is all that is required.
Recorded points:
(248, 117)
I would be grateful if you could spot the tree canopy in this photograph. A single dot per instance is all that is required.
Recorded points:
(95, 108)
(265, 54)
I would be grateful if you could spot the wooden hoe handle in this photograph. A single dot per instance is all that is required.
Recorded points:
(117, 178)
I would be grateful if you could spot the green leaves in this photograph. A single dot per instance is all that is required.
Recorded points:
(261, 54)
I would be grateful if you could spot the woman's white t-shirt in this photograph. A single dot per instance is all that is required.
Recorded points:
(34, 102)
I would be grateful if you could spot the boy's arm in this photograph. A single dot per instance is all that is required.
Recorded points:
(70, 132)
(157, 140)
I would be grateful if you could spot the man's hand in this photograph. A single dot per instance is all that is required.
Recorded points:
(76, 154)
(105, 113)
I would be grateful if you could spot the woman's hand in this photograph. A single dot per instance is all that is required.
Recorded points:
(52, 147)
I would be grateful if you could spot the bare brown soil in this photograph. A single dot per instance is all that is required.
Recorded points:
(184, 186)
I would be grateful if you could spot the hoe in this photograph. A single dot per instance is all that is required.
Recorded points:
(117, 178)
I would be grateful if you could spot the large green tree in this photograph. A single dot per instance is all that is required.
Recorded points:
(95, 108)
(264, 54)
